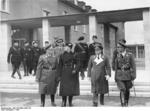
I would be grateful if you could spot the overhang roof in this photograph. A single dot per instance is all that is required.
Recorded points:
(80, 19)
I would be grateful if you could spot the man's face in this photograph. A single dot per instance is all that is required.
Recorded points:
(98, 51)
(16, 44)
(26, 44)
(35, 45)
(67, 49)
(120, 48)
(94, 39)
(47, 44)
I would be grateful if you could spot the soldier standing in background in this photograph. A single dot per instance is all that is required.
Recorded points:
(36, 54)
(14, 56)
(27, 54)
(81, 54)
(125, 72)
(43, 50)
(59, 47)
(93, 45)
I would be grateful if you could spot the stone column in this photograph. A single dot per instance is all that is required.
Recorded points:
(5, 44)
(35, 34)
(92, 27)
(67, 33)
(46, 31)
(146, 25)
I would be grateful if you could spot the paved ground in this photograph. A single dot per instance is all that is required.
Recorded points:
(32, 100)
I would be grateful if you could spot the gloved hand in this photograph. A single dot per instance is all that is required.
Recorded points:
(107, 77)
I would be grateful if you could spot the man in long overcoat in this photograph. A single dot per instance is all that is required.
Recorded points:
(27, 54)
(47, 76)
(99, 71)
(69, 78)
(81, 55)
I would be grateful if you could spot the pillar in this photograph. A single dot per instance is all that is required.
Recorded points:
(5, 44)
(46, 31)
(67, 33)
(146, 25)
(120, 33)
(92, 27)
(106, 40)
(35, 34)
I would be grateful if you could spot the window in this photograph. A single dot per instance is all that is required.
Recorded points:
(75, 27)
(4, 5)
(132, 49)
(141, 53)
(84, 28)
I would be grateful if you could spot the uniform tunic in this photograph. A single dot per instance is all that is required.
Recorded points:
(15, 56)
(46, 74)
(36, 54)
(97, 72)
(69, 82)
(27, 54)
(125, 70)
(81, 55)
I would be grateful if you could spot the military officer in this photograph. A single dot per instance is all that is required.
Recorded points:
(27, 54)
(81, 54)
(14, 56)
(43, 50)
(99, 72)
(93, 45)
(59, 48)
(125, 72)
(69, 78)
(46, 75)
(115, 54)
(36, 54)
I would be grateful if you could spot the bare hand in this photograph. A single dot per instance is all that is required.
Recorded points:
(107, 77)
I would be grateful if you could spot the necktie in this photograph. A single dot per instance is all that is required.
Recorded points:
(98, 56)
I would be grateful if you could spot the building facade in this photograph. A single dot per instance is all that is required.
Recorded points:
(16, 10)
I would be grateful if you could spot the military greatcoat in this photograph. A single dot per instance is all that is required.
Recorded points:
(69, 81)
(46, 74)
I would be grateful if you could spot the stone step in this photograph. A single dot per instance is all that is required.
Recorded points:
(86, 87)
(111, 93)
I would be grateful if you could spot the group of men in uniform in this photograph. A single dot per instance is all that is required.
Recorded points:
(122, 62)
(29, 55)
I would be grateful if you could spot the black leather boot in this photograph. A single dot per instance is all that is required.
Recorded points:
(127, 94)
(42, 100)
(52, 100)
(95, 104)
(102, 99)
(122, 98)
(70, 101)
(64, 100)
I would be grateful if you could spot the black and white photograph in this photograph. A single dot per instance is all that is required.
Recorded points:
(74, 53)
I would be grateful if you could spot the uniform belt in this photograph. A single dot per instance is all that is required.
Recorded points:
(123, 69)
(49, 68)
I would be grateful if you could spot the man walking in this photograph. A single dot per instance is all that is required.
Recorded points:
(14, 56)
